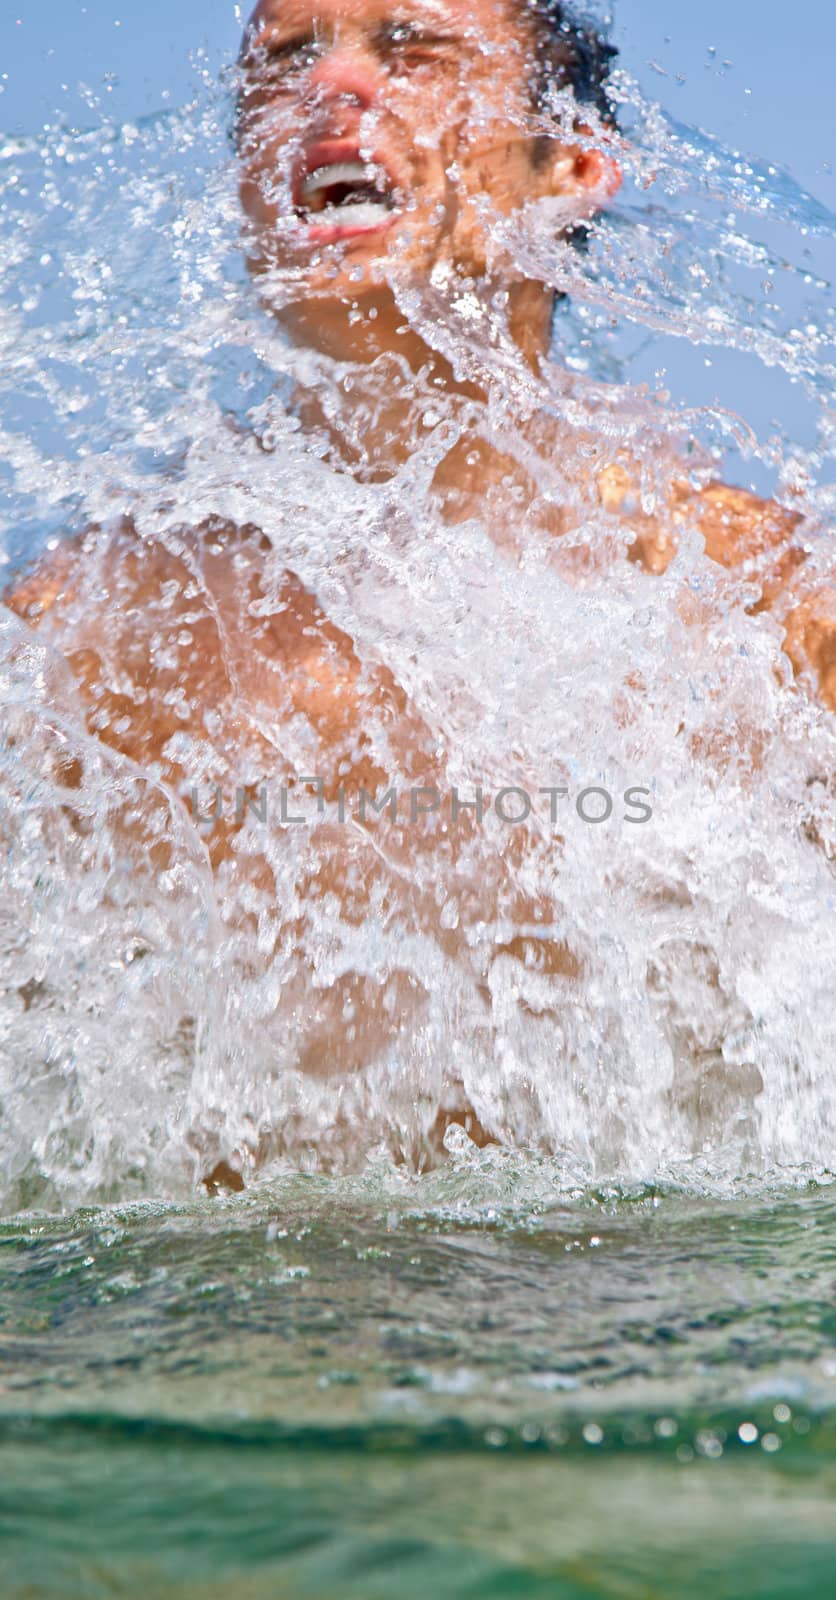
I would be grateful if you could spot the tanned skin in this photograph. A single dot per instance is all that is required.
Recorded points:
(155, 635)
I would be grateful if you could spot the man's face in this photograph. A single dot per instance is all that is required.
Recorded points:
(378, 134)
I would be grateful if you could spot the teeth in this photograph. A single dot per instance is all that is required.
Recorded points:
(339, 172)
(365, 214)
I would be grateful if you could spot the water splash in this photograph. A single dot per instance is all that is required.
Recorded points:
(628, 1001)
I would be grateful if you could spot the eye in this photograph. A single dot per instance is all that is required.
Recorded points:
(292, 49)
(406, 45)
(274, 56)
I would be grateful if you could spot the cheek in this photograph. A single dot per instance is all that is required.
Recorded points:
(253, 197)
(499, 172)
(498, 92)
(427, 106)
(497, 137)
(266, 129)
(260, 192)
(263, 149)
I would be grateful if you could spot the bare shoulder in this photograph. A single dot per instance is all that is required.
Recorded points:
(201, 633)
(761, 539)
(114, 589)
(38, 591)
(738, 528)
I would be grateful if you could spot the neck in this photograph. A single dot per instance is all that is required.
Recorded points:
(361, 330)
(431, 354)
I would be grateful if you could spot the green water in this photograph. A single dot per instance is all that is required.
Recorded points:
(400, 1389)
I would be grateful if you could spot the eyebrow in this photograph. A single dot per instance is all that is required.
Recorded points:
(275, 22)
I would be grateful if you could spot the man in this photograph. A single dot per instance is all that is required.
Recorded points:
(387, 147)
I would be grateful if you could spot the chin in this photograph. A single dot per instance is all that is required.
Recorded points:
(345, 266)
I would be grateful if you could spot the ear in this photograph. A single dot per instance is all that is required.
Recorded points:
(599, 174)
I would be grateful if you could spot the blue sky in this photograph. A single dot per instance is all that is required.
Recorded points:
(136, 53)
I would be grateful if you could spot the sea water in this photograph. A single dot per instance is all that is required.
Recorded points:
(597, 1357)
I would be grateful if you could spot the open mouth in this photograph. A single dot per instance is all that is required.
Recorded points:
(337, 194)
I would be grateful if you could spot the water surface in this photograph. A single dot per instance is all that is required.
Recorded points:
(333, 1389)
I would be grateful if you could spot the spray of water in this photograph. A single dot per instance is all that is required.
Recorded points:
(637, 992)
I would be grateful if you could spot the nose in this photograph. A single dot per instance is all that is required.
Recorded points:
(346, 72)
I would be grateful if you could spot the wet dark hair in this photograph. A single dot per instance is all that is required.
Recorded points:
(573, 54)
